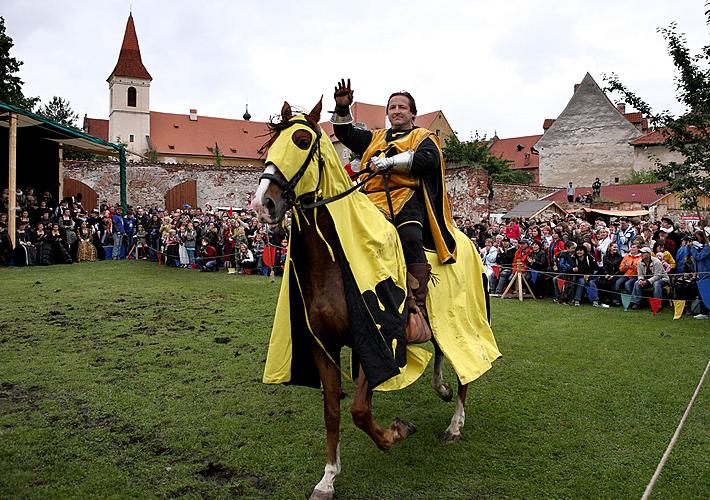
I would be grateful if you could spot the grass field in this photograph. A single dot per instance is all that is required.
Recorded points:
(125, 379)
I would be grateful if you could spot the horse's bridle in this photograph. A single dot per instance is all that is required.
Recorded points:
(288, 188)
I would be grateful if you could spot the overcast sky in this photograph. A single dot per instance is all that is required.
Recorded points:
(499, 65)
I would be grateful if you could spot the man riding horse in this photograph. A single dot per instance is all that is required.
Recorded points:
(411, 193)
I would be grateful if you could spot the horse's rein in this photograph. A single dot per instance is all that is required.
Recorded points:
(288, 187)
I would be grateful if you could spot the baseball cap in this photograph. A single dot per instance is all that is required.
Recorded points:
(645, 250)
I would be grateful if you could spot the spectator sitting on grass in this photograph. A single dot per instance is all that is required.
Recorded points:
(664, 256)
(651, 275)
(585, 265)
(506, 254)
(207, 257)
(537, 262)
(245, 259)
(629, 268)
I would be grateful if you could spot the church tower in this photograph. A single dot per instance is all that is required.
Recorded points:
(129, 88)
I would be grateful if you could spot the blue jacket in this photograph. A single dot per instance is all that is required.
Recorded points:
(564, 262)
(116, 223)
(702, 262)
(129, 225)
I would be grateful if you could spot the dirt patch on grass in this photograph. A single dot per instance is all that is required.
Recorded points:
(224, 475)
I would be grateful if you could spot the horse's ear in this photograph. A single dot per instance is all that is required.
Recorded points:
(286, 113)
(314, 115)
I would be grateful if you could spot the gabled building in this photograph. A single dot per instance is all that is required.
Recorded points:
(589, 139)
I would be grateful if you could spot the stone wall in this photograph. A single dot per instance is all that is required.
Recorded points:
(147, 184)
(468, 192)
(467, 188)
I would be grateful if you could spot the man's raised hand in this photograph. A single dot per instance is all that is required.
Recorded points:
(343, 94)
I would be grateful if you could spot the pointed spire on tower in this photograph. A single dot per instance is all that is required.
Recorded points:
(129, 59)
(246, 115)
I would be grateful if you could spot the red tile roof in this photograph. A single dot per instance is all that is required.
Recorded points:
(129, 59)
(96, 127)
(644, 194)
(173, 134)
(515, 149)
(652, 138)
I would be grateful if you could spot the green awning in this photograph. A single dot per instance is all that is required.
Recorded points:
(57, 132)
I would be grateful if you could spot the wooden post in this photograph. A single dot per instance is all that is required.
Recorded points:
(12, 180)
(61, 173)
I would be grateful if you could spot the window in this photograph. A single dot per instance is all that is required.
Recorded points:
(132, 97)
(438, 133)
(130, 138)
(616, 180)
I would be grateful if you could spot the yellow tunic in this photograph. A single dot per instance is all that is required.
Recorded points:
(402, 187)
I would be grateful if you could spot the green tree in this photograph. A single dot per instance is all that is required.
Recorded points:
(641, 177)
(475, 153)
(59, 110)
(689, 133)
(10, 84)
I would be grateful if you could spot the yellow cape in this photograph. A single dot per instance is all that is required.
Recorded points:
(374, 254)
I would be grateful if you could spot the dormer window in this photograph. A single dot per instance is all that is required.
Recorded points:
(132, 97)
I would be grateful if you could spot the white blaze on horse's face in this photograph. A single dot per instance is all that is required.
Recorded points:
(268, 203)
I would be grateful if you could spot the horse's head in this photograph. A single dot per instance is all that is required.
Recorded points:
(294, 148)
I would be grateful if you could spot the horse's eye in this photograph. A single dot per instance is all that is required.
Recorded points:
(302, 139)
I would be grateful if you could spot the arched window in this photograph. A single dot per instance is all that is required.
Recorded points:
(132, 97)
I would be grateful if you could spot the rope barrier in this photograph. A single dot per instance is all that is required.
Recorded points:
(674, 439)
(595, 277)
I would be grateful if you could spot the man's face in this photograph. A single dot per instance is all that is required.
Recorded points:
(399, 114)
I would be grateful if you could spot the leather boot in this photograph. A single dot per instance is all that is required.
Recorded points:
(418, 329)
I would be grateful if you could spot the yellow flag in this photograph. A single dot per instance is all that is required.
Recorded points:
(679, 306)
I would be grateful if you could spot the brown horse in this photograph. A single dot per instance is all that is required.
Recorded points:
(319, 256)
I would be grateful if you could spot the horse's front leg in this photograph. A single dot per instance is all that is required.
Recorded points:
(453, 431)
(362, 416)
(441, 388)
(330, 377)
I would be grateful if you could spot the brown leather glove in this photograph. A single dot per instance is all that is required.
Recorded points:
(343, 97)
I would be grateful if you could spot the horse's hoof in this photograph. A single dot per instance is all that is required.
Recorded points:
(321, 495)
(444, 392)
(403, 428)
(449, 438)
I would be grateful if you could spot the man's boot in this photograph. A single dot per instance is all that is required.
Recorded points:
(418, 329)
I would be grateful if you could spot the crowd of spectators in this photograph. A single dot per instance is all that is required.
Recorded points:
(570, 259)
(193, 238)
(565, 258)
